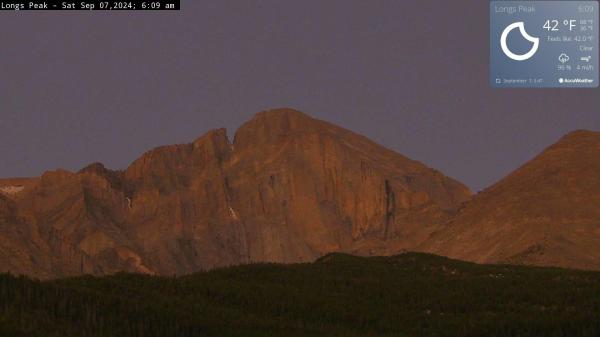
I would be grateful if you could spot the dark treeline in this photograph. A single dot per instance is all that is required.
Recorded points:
(339, 295)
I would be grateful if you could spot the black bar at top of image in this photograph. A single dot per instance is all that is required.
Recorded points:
(17, 5)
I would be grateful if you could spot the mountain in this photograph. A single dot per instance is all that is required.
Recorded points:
(545, 213)
(289, 188)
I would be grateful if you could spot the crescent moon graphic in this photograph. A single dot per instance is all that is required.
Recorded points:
(508, 52)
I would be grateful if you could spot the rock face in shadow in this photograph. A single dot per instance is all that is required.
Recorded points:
(289, 188)
(545, 213)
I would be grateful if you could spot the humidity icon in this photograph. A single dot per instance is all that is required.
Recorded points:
(508, 52)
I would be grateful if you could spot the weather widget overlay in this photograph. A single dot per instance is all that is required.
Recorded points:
(544, 44)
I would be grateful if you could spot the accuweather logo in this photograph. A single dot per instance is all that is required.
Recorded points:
(576, 80)
(508, 52)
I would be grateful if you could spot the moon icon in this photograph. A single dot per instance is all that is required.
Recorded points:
(508, 52)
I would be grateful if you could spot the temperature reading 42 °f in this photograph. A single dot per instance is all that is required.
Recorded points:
(554, 25)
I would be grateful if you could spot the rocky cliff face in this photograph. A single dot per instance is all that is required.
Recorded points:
(545, 213)
(289, 188)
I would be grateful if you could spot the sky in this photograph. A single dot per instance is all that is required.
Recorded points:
(83, 87)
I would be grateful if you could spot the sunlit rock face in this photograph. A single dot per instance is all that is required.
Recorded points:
(289, 188)
(545, 213)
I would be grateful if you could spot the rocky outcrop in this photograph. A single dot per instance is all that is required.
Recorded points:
(545, 213)
(289, 188)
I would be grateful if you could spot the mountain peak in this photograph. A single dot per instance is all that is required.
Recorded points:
(582, 133)
(578, 139)
(290, 189)
(270, 125)
(94, 168)
(545, 213)
(283, 112)
(217, 138)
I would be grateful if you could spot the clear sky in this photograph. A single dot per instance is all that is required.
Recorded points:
(79, 87)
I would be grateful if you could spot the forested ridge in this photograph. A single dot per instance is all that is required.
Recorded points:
(338, 295)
